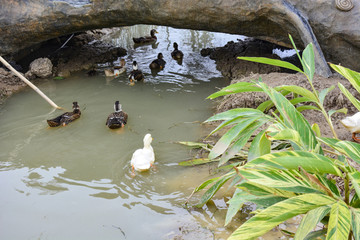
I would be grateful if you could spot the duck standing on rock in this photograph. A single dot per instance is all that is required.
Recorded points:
(66, 118)
(136, 74)
(118, 118)
(177, 54)
(143, 158)
(353, 125)
(147, 39)
(158, 64)
(116, 70)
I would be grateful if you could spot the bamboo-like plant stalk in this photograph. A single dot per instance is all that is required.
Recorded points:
(29, 83)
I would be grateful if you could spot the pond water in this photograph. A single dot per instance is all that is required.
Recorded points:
(75, 182)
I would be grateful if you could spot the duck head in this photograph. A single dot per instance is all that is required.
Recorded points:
(152, 32)
(76, 107)
(175, 46)
(147, 140)
(160, 56)
(135, 66)
(117, 107)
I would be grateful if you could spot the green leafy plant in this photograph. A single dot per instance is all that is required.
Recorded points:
(295, 180)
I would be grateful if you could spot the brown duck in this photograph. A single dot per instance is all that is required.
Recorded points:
(176, 54)
(159, 63)
(118, 118)
(147, 39)
(66, 118)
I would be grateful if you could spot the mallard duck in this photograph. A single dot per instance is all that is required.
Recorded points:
(66, 118)
(116, 70)
(353, 125)
(159, 63)
(118, 118)
(147, 39)
(136, 74)
(143, 158)
(176, 54)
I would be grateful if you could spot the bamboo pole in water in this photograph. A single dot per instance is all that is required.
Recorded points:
(29, 83)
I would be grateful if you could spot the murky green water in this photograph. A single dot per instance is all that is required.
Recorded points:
(74, 182)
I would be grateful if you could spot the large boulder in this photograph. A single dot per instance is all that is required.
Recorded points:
(333, 31)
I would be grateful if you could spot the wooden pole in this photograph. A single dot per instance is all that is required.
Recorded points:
(29, 83)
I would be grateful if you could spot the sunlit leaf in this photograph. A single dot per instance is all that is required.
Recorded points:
(308, 61)
(301, 91)
(311, 162)
(350, 149)
(195, 145)
(278, 213)
(292, 118)
(196, 161)
(238, 87)
(324, 92)
(307, 107)
(355, 180)
(352, 76)
(259, 146)
(342, 110)
(349, 96)
(274, 62)
(231, 135)
(315, 127)
(355, 222)
(241, 141)
(212, 190)
(339, 222)
(310, 220)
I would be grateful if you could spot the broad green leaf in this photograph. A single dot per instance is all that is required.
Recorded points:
(308, 61)
(259, 146)
(264, 191)
(233, 113)
(315, 127)
(355, 222)
(349, 96)
(297, 51)
(355, 180)
(352, 76)
(301, 91)
(339, 222)
(241, 141)
(236, 88)
(288, 180)
(292, 118)
(350, 149)
(310, 220)
(285, 134)
(278, 213)
(213, 189)
(195, 144)
(196, 161)
(307, 107)
(274, 62)
(342, 110)
(316, 235)
(235, 203)
(310, 162)
(231, 135)
(324, 92)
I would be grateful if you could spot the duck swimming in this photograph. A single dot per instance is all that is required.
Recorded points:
(136, 74)
(66, 118)
(176, 54)
(143, 158)
(159, 63)
(353, 125)
(118, 118)
(147, 39)
(116, 70)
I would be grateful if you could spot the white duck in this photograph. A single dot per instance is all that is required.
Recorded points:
(143, 158)
(353, 125)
